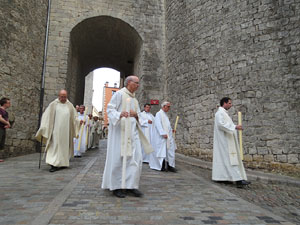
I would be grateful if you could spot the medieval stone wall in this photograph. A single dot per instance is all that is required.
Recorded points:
(248, 50)
(22, 35)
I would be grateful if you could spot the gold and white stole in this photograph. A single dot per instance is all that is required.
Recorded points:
(147, 129)
(129, 100)
(232, 147)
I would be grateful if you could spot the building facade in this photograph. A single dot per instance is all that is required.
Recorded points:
(108, 92)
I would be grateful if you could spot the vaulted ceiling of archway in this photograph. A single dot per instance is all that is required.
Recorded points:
(105, 42)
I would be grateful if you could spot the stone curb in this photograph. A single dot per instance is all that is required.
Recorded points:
(253, 175)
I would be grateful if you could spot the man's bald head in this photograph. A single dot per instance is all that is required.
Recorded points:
(131, 83)
(63, 91)
(63, 96)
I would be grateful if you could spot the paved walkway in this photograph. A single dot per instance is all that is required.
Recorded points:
(73, 196)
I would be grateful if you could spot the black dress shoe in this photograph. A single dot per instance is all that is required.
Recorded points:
(242, 183)
(53, 169)
(135, 192)
(172, 169)
(164, 166)
(245, 182)
(119, 193)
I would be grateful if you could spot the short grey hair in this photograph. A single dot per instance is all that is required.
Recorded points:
(165, 103)
(127, 79)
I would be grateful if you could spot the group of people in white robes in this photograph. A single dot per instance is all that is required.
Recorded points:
(134, 137)
(131, 137)
(89, 133)
(160, 135)
(65, 132)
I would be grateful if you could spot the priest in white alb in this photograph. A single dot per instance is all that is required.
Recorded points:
(95, 132)
(147, 123)
(59, 126)
(227, 163)
(81, 140)
(123, 164)
(163, 158)
(89, 129)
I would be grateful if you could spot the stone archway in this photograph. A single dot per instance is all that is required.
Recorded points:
(101, 41)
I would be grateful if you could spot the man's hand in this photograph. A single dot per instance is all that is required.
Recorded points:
(150, 121)
(239, 127)
(174, 131)
(82, 122)
(124, 114)
(133, 114)
(165, 136)
(7, 126)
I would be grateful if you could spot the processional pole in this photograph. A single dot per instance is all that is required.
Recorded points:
(39, 146)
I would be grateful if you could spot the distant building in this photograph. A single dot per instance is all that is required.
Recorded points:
(108, 92)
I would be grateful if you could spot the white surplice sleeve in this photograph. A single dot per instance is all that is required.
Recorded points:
(143, 119)
(223, 124)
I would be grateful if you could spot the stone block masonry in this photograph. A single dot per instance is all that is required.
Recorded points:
(22, 32)
(249, 51)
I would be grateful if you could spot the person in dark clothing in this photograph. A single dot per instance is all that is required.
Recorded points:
(4, 122)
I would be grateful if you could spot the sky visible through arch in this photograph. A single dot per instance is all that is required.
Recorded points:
(102, 75)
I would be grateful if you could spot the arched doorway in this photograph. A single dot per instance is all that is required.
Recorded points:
(101, 41)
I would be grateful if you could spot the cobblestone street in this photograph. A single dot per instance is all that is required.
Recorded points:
(73, 196)
(279, 198)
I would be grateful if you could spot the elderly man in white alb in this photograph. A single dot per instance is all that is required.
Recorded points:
(227, 163)
(59, 126)
(147, 123)
(123, 164)
(164, 144)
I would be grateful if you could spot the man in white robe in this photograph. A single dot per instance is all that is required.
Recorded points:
(147, 123)
(59, 126)
(95, 132)
(227, 163)
(164, 156)
(83, 118)
(90, 128)
(123, 164)
(100, 128)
